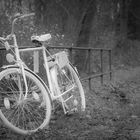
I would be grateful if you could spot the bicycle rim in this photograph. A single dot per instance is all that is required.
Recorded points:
(69, 83)
(23, 116)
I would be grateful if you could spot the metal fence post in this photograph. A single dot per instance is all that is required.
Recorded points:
(110, 61)
(89, 62)
(70, 50)
(89, 65)
(101, 56)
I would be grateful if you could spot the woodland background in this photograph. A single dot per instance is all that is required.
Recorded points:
(113, 24)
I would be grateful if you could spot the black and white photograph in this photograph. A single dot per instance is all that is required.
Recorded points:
(69, 69)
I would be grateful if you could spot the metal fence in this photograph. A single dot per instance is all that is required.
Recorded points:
(90, 50)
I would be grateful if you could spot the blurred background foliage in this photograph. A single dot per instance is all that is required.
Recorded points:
(80, 23)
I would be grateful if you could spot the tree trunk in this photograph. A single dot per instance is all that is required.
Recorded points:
(83, 34)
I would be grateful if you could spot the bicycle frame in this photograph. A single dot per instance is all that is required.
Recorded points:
(20, 64)
(50, 73)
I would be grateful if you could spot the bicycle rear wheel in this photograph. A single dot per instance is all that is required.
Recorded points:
(23, 116)
(70, 86)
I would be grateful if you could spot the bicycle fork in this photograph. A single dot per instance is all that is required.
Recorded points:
(25, 82)
(21, 66)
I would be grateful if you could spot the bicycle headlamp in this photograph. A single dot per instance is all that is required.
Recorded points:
(10, 58)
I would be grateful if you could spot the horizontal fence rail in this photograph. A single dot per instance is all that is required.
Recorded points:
(89, 49)
(91, 76)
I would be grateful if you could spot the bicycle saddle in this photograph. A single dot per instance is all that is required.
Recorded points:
(41, 38)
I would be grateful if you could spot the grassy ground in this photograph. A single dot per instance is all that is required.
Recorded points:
(112, 113)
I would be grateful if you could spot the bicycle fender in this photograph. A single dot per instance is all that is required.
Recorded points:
(8, 66)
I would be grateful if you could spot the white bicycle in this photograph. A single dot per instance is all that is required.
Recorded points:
(25, 99)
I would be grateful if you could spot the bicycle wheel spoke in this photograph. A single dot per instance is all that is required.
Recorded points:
(24, 119)
(9, 83)
(15, 117)
(36, 112)
(30, 84)
(12, 115)
(12, 93)
(18, 117)
(6, 84)
(32, 117)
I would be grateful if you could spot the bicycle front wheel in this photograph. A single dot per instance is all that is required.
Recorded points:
(70, 87)
(23, 115)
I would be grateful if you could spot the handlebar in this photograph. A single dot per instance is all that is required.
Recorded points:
(4, 40)
(20, 17)
(25, 15)
(13, 23)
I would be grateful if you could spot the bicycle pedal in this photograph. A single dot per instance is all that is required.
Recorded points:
(35, 96)
(6, 103)
(71, 112)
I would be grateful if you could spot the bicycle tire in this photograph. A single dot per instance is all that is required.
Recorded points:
(29, 115)
(66, 77)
